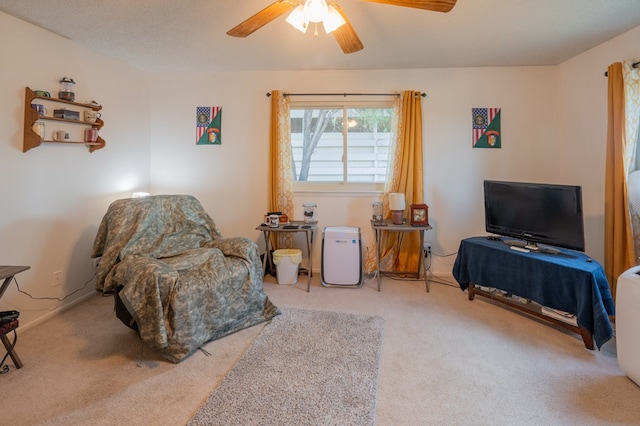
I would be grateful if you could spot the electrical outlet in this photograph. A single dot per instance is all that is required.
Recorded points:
(57, 278)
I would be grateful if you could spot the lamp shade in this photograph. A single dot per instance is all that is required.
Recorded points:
(298, 19)
(315, 10)
(396, 201)
(332, 20)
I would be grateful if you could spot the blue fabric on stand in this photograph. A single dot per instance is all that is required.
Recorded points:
(569, 281)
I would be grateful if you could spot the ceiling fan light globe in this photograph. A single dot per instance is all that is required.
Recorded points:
(333, 20)
(315, 10)
(298, 20)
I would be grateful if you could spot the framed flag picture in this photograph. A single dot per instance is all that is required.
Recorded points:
(209, 126)
(485, 128)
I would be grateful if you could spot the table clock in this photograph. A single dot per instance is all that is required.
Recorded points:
(419, 215)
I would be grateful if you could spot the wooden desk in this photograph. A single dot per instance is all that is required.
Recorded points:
(387, 225)
(7, 273)
(309, 230)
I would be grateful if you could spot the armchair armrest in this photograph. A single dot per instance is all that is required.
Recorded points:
(241, 247)
(155, 281)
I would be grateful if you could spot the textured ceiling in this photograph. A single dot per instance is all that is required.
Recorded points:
(190, 35)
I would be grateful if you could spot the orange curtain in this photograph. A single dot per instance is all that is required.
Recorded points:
(410, 179)
(280, 172)
(402, 252)
(273, 152)
(619, 245)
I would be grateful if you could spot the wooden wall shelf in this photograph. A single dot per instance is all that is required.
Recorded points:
(32, 139)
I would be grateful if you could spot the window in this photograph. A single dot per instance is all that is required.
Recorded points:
(343, 145)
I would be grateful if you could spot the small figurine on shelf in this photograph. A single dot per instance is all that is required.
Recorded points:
(377, 212)
(90, 135)
(66, 89)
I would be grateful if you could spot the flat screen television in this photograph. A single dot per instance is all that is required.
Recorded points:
(535, 212)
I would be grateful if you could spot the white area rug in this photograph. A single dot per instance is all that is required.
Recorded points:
(305, 368)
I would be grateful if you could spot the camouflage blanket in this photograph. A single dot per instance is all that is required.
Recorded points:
(183, 283)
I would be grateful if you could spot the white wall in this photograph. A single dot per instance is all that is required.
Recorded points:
(231, 179)
(54, 196)
(582, 101)
(553, 124)
(553, 130)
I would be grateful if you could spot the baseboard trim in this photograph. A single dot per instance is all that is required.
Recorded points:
(55, 312)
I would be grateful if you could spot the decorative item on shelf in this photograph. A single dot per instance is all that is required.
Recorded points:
(397, 206)
(38, 127)
(419, 215)
(66, 89)
(376, 214)
(309, 211)
(90, 116)
(61, 136)
(90, 135)
(42, 110)
(67, 114)
(42, 93)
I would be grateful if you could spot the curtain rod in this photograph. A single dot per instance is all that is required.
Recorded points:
(343, 94)
(633, 65)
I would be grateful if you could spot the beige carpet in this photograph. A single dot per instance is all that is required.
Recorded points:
(445, 361)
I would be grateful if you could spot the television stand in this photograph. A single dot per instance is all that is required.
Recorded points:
(569, 281)
(533, 309)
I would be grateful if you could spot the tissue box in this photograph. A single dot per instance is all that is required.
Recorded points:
(66, 113)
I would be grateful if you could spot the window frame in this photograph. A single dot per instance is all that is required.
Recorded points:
(345, 105)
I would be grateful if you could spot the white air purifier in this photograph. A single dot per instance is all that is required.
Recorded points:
(341, 257)
(627, 320)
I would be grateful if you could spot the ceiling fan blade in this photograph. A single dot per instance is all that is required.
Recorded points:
(434, 5)
(261, 18)
(345, 35)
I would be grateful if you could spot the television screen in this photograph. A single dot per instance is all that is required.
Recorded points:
(536, 213)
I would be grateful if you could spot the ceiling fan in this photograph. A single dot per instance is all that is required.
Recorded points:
(330, 14)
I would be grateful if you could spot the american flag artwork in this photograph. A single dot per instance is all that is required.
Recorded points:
(208, 125)
(485, 128)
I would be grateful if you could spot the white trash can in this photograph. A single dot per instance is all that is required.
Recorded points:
(287, 261)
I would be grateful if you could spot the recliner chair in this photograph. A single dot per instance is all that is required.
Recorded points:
(182, 283)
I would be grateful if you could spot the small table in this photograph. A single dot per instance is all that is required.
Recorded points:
(308, 228)
(388, 225)
(7, 273)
